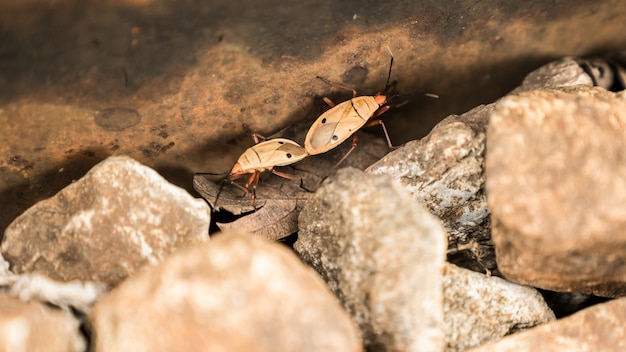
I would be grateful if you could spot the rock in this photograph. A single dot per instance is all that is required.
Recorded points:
(607, 72)
(479, 308)
(382, 254)
(235, 293)
(556, 180)
(598, 328)
(78, 295)
(444, 172)
(565, 72)
(33, 326)
(117, 218)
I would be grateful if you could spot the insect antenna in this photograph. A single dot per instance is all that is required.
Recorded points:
(219, 191)
(430, 95)
(211, 173)
(387, 85)
(224, 180)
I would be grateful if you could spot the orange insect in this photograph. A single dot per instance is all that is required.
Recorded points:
(342, 121)
(264, 156)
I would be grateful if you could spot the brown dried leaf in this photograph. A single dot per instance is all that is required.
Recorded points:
(273, 215)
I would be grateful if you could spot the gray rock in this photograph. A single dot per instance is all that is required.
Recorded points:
(478, 308)
(382, 254)
(120, 216)
(444, 172)
(556, 179)
(33, 326)
(235, 293)
(565, 72)
(598, 328)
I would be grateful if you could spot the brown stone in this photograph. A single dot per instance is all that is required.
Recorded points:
(556, 187)
(382, 254)
(118, 218)
(236, 293)
(33, 326)
(598, 328)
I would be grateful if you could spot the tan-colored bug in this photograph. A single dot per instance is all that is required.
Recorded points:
(342, 120)
(264, 156)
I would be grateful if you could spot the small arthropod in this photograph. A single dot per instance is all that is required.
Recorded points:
(264, 156)
(342, 120)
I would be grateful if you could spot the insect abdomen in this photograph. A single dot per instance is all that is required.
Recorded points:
(339, 123)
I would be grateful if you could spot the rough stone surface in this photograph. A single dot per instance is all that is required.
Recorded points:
(119, 217)
(444, 172)
(565, 72)
(479, 308)
(556, 185)
(78, 296)
(235, 293)
(179, 88)
(382, 254)
(32, 326)
(598, 328)
(608, 72)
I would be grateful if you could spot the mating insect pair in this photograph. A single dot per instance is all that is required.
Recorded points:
(330, 129)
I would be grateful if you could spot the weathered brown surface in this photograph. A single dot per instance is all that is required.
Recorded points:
(556, 186)
(236, 293)
(119, 217)
(179, 85)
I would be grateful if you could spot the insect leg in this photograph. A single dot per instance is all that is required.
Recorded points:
(338, 85)
(256, 175)
(355, 141)
(381, 111)
(329, 102)
(382, 124)
(257, 138)
(244, 189)
(291, 177)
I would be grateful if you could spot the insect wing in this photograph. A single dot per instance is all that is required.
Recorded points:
(333, 127)
(277, 152)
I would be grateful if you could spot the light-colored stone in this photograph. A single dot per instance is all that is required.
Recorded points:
(556, 185)
(599, 328)
(382, 254)
(118, 218)
(444, 172)
(478, 308)
(32, 326)
(235, 293)
(565, 72)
